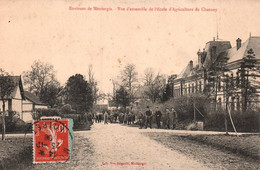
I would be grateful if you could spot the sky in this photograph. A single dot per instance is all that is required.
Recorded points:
(73, 40)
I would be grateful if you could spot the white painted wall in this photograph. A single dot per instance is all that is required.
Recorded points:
(41, 107)
(16, 103)
(27, 105)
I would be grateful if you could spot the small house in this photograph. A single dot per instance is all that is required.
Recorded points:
(31, 103)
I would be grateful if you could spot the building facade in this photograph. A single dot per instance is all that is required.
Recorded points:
(228, 76)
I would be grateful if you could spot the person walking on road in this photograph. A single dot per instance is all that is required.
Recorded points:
(99, 117)
(125, 118)
(95, 117)
(129, 117)
(105, 117)
(167, 119)
(158, 115)
(141, 120)
(148, 115)
(115, 116)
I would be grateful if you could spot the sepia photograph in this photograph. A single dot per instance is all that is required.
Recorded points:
(129, 84)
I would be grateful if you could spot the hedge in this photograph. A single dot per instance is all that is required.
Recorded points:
(244, 122)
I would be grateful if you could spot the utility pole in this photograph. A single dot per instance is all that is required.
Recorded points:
(194, 110)
(226, 128)
(226, 80)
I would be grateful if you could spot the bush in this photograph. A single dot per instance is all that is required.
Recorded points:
(66, 109)
(244, 122)
(45, 112)
(17, 124)
(64, 112)
(76, 117)
(14, 124)
(215, 121)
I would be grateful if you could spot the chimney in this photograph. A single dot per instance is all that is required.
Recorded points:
(238, 43)
(191, 64)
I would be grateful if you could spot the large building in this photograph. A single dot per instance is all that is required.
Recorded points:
(227, 75)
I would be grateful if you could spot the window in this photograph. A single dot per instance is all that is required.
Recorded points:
(237, 80)
(196, 87)
(232, 80)
(181, 90)
(219, 103)
(218, 84)
(238, 104)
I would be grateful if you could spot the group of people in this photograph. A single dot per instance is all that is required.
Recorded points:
(167, 120)
(128, 118)
(105, 116)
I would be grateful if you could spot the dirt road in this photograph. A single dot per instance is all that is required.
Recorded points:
(122, 147)
(116, 146)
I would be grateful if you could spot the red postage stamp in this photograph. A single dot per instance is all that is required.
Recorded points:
(51, 141)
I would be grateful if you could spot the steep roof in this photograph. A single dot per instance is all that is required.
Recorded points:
(186, 72)
(18, 85)
(33, 98)
(223, 50)
(253, 42)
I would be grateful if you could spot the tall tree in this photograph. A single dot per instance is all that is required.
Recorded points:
(129, 79)
(78, 93)
(40, 78)
(50, 95)
(148, 76)
(155, 85)
(167, 93)
(155, 88)
(122, 97)
(93, 84)
(7, 85)
(249, 73)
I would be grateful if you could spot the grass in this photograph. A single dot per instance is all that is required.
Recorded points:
(214, 151)
(82, 126)
(247, 145)
(15, 150)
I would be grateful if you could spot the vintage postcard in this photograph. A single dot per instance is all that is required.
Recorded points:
(130, 84)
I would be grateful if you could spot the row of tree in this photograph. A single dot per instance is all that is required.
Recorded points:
(78, 92)
(128, 87)
(41, 80)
